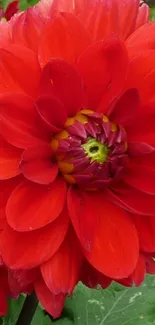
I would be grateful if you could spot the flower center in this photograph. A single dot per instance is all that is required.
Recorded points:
(91, 151)
(95, 150)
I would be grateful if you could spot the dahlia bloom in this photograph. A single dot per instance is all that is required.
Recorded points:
(77, 114)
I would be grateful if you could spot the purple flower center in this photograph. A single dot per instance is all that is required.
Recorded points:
(91, 151)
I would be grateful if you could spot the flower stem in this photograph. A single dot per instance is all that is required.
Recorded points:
(28, 310)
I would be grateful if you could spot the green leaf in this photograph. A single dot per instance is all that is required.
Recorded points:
(15, 307)
(115, 306)
(153, 13)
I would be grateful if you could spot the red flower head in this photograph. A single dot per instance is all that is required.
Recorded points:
(77, 116)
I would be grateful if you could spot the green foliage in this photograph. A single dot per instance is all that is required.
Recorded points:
(153, 13)
(115, 306)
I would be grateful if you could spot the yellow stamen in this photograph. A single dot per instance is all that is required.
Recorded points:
(54, 144)
(105, 119)
(70, 121)
(70, 179)
(81, 118)
(62, 135)
(86, 112)
(65, 167)
(113, 127)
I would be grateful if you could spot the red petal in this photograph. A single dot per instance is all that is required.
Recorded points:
(142, 39)
(65, 37)
(62, 80)
(30, 249)
(126, 107)
(128, 11)
(146, 231)
(141, 176)
(141, 127)
(137, 149)
(52, 111)
(26, 28)
(53, 304)
(143, 15)
(115, 249)
(106, 58)
(20, 280)
(150, 264)
(17, 64)
(20, 124)
(92, 278)
(37, 166)
(6, 188)
(3, 303)
(4, 33)
(66, 6)
(12, 9)
(9, 160)
(100, 18)
(82, 208)
(139, 272)
(32, 206)
(70, 257)
(142, 75)
(133, 200)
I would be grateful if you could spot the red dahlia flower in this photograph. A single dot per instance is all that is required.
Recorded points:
(77, 114)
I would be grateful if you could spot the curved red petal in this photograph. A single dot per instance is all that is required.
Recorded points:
(143, 15)
(150, 264)
(3, 303)
(146, 232)
(100, 18)
(106, 58)
(52, 111)
(139, 273)
(9, 160)
(114, 253)
(20, 124)
(5, 32)
(37, 166)
(93, 278)
(137, 149)
(32, 206)
(133, 200)
(141, 75)
(65, 37)
(82, 208)
(26, 28)
(74, 6)
(30, 249)
(21, 280)
(17, 64)
(142, 39)
(127, 21)
(141, 176)
(69, 256)
(125, 108)
(53, 304)
(141, 127)
(6, 188)
(62, 80)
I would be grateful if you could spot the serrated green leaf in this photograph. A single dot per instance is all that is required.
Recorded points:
(115, 306)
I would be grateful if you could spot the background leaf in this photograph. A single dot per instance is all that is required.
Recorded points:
(116, 305)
